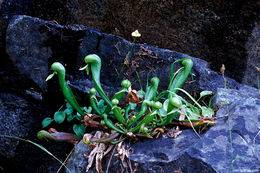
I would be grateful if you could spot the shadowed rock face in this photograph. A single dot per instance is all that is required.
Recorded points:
(252, 73)
(216, 31)
(38, 44)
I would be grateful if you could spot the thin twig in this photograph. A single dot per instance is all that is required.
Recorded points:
(66, 159)
(110, 159)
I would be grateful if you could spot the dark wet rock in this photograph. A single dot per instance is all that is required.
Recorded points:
(14, 122)
(33, 52)
(21, 117)
(216, 31)
(24, 46)
(211, 153)
(252, 73)
(31, 42)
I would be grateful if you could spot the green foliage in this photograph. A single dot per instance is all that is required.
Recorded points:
(47, 121)
(59, 116)
(79, 129)
(129, 112)
(69, 114)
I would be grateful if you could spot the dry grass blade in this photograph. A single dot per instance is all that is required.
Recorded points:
(66, 159)
(108, 150)
(110, 158)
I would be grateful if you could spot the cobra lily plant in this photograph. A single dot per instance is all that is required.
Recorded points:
(128, 113)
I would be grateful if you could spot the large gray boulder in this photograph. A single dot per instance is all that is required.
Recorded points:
(233, 143)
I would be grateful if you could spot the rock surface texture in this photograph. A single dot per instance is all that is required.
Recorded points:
(70, 45)
(211, 153)
(14, 122)
(33, 45)
(252, 73)
(216, 31)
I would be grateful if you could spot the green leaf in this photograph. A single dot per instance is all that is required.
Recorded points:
(68, 105)
(141, 94)
(132, 106)
(85, 68)
(207, 112)
(88, 110)
(71, 117)
(79, 129)
(162, 112)
(165, 104)
(205, 93)
(47, 121)
(192, 115)
(78, 116)
(101, 105)
(50, 76)
(68, 111)
(59, 116)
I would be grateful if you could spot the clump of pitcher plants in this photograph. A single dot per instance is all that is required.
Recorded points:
(128, 113)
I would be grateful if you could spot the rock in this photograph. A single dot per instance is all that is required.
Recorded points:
(216, 31)
(31, 47)
(14, 122)
(39, 43)
(78, 157)
(27, 52)
(213, 30)
(21, 117)
(158, 154)
(211, 153)
(252, 73)
(215, 146)
(146, 59)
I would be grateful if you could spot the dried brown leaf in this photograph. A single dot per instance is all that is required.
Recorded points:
(100, 154)
(132, 97)
(122, 153)
(94, 152)
(173, 133)
(91, 123)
